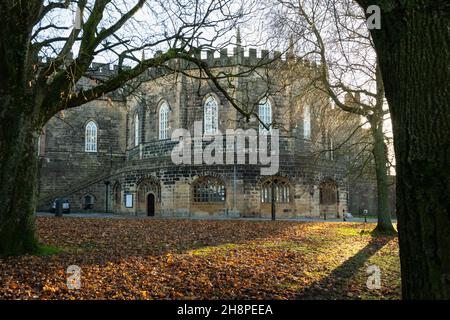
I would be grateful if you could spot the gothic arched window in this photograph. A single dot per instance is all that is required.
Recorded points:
(91, 137)
(88, 202)
(209, 189)
(328, 192)
(281, 188)
(211, 116)
(265, 114)
(164, 121)
(136, 129)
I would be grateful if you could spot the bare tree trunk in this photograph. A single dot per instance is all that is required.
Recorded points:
(384, 223)
(19, 124)
(18, 168)
(413, 49)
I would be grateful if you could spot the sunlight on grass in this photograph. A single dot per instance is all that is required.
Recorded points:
(292, 286)
(205, 251)
(352, 231)
(285, 245)
(277, 245)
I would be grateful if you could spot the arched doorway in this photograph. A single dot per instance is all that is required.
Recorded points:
(328, 198)
(88, 202)
(151, 205)
(144, 204)
(281, 201)
(117, 195)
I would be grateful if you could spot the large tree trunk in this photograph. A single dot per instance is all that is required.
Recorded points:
(19, 124)
(18, 168)
(413, 51)
(384, 224)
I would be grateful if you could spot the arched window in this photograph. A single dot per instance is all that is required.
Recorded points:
(281, 188)
(307, 122)
(211, 116)
(39, 146)
(164, 121)
(327, 142)
(91, 137)
(209, 189)
(328, 192)
(136, 129)
(88, 202)
(265, 114)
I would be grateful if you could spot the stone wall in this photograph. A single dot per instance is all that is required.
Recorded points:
(242, 184)
(66, 166)
(67, 170)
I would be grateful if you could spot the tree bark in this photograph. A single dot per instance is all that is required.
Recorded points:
(18, 169)
(19, 125)
(384, 223)
(413, 48)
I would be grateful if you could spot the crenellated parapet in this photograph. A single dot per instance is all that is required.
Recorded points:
(214, 59)
(224, 57)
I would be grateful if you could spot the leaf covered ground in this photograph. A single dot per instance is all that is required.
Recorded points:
(197, 259)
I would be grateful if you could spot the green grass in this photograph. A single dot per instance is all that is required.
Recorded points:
(285, 245)
(44, 250)
(351, 231)
(290, 286)
(376, 233)
(222, 249)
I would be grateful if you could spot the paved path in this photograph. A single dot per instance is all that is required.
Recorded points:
(124, 216)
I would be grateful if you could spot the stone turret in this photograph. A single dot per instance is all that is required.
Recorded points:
(291, 54)
(351, 99)
(238, 51)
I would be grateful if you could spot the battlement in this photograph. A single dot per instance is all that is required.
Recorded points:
(238, 56)
(213, 58)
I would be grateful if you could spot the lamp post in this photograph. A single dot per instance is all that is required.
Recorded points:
(272, 185)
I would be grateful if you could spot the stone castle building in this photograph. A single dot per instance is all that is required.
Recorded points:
(114, 154)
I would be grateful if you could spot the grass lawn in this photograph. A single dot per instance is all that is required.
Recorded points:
(192, 259)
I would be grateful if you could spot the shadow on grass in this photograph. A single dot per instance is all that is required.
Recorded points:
(336, 284)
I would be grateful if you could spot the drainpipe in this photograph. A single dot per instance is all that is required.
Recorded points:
(106, 195)
(273, 199)
(110, 158)
(234, 190)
